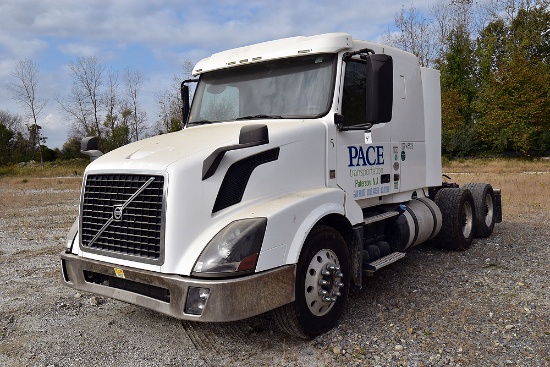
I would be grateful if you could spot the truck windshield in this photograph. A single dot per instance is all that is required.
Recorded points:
(299, 87)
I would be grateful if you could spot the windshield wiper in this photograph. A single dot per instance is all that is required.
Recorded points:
(255, 117)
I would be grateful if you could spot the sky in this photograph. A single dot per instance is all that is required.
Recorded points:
(157, 37)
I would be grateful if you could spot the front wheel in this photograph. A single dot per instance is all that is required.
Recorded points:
(322, 285)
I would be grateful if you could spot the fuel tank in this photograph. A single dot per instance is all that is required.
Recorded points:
(420, 220)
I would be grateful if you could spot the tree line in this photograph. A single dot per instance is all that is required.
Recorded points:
(494, 59)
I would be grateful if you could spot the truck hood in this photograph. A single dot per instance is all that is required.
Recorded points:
(157, 153)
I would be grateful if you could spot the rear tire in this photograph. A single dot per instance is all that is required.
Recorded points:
(458, 213)
(322, 284)
(484, 200)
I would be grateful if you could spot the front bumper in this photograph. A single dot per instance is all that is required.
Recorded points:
(229, 300)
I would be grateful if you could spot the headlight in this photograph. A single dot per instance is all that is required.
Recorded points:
(71, 236)
(234, 250)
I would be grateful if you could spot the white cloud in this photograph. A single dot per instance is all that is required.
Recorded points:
(52, 122)
(78, 49)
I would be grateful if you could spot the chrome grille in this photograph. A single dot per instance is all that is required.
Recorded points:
(122, 215)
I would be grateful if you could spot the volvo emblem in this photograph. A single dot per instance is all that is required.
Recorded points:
(117, 212)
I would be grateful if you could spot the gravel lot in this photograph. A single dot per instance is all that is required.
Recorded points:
(489, 306)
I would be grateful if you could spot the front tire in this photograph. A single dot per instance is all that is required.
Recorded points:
(458, 213)
(322, 285)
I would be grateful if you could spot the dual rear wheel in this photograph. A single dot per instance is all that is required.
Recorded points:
(467, 212)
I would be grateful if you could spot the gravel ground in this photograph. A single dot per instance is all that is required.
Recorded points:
(489, 306)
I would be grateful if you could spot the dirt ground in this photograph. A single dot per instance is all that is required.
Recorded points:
(488, 306)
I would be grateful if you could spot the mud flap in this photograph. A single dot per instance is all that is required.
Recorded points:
(498, 206)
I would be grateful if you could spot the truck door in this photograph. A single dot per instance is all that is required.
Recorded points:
(366, 165)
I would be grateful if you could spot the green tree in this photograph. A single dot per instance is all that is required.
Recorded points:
(530, 35)
(6, 144)
(513, 102)
(37, 140)
(457, 95)
(22, 150)
(118, 132)
(491, 50)
(175, 124)
(48, 154)
(71, 149)
(116, 137)
(516, 108)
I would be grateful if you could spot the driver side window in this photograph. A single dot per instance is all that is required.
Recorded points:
(354, 93)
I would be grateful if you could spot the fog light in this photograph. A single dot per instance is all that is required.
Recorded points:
(196, 300)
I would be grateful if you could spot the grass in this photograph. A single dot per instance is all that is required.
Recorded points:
(73, 167)
(496, 165)
(51, 186)
(524, 183)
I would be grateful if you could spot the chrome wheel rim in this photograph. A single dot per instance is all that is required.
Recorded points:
(488, 207)
(467, 219)
(323, 282)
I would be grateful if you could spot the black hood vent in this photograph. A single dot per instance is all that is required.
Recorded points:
(237, 176)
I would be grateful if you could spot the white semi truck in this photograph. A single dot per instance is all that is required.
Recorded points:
(305, 163)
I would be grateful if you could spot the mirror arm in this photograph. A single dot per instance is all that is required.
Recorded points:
(339, 122)
(362, 52)
(365, 128)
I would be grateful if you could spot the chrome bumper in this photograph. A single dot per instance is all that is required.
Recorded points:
(229, 300)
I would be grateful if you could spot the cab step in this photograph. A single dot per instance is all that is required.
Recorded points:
(370, 268)
(379, 217)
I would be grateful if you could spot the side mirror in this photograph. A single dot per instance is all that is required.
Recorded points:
(379, 88)
(89, 147)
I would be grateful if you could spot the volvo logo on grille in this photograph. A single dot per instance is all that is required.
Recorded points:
(117, 212)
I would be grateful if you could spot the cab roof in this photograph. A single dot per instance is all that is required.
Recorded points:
(278, 49)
